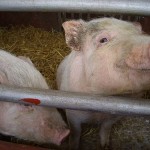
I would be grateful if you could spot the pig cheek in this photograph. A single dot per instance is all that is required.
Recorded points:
(103, 75)
(97, 71)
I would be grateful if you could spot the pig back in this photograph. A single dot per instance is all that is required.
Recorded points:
(20, 73)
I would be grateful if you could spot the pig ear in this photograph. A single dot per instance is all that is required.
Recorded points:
(3, 78)
(139, 59)
(73, 31)
(26, 59)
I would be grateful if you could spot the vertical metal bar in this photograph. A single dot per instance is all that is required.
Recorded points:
(64, 18)
(72, 15)
(80, 15)
(136, 18)
(88, 16)
(60, 21)
(129, 18)
(121, 17)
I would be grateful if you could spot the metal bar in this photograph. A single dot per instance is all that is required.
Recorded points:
(79, 101)
(60, 21)
(141, 7)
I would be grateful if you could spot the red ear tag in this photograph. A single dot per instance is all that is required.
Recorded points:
(31, 100)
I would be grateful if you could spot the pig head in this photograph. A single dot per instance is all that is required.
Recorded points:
(108, 57)
(33, 123)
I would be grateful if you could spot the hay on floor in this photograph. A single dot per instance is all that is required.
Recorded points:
(45, 49)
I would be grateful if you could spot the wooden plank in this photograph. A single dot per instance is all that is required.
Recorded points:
(13, 146)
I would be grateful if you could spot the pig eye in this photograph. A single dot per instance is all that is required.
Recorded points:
(103, 40)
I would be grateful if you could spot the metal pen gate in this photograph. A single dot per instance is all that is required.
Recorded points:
(131, 10)
(86, 9)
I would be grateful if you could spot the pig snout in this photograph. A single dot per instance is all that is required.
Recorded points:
(139, 58)
(60, 136)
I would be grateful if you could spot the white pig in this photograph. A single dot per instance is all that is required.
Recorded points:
(33, 123)
(108, 57)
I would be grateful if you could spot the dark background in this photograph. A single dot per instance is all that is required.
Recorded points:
(52, 20)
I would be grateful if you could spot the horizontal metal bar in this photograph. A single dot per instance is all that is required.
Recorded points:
(79, 101)
(141, 7)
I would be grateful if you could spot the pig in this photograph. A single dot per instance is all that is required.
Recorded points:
(32, 123)
(108, 57)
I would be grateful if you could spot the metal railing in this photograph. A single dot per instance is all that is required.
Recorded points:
(60, 99)
(140, 7)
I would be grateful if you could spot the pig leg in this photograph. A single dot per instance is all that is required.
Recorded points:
(74, 138)
(75, 125)
(105, 130)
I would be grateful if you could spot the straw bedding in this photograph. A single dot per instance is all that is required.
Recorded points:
(46, 50)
